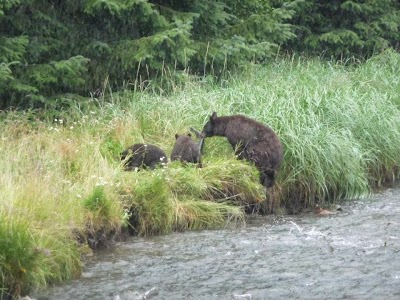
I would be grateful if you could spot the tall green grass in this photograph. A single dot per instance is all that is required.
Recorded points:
(338, 121)
(61, 184)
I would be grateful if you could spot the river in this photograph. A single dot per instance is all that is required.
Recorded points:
(354, 254)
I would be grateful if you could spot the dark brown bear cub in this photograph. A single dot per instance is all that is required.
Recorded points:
(186, 150)
(143, 156)
(251, 140)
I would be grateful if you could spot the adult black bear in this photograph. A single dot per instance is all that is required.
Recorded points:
(143, 156)
(251, 140)
(186, 150)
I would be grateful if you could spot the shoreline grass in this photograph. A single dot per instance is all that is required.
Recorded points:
(340, 127)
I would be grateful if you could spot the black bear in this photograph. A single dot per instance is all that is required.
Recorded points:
(251, 140)
(143, 156)
(186, 150)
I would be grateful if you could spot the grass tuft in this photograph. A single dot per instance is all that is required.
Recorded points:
(181, 197)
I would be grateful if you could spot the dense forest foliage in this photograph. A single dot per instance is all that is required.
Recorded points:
(51, 50)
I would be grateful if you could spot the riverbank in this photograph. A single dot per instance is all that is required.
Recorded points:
(62, 182)
(349, 255)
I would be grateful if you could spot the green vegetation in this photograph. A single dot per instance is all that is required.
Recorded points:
(346, 28)
(61, 181)
(51, 49)
(155, 68)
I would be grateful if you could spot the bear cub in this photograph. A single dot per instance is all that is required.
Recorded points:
(251, 140)
(186, 150)
(143, 156)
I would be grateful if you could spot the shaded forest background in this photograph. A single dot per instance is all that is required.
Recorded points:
(55, 51)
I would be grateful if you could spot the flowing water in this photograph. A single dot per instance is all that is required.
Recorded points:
(354, 254)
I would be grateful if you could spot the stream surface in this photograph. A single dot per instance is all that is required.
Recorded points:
(354, 254)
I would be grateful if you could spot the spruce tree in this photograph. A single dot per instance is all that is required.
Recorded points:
(52, 49)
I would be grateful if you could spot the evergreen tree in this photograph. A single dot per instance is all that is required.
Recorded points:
(342, 28)
(53, 48)
(50, 49)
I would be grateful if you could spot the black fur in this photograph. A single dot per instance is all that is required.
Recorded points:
(251, 140)
(186, 150)
(143, 156)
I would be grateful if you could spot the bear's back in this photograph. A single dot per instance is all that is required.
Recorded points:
(248, 131)
(144, 155)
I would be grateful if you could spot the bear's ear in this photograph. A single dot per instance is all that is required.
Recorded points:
(213, 116)
(176, 136)
(189, 134)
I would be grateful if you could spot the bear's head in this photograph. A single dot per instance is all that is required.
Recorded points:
(177, 136)
(208, 129)
(126, 153)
